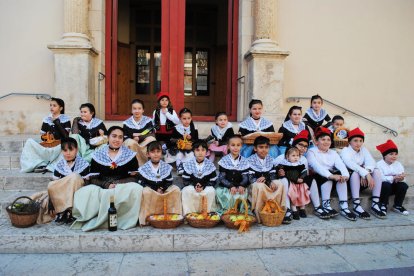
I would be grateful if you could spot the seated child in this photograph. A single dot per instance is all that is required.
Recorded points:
(316, 115)
(295, 172)
(262, 176)
(156, 178)
(337, 122)
(393, 178)
(233, 179)
(361, 167)
(221, 132)
(199, 179)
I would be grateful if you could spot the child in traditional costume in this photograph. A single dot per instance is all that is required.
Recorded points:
(262, 176)
(233, 179)
(113, 173)
(256, 123)
(315, 116)
(156, 178)
(89, 131)
(364, 174)
(329, 168)
(393, 178)
(138, 131)
(183, 135)
(221, 132)
(56, 126)
(199, 179)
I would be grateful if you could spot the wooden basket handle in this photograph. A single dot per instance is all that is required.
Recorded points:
(165, 207)
(204, 205)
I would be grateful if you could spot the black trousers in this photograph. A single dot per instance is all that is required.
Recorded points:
(399, 189)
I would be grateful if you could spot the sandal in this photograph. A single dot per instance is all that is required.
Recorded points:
(69, 218)
(346, 213)
(356, 202)
(384, 208)
(376, 208)
(321, 213)
(295, 215)
(401, 210)
(60, 218)
(327, 207)
(302, 213)
(288, 217)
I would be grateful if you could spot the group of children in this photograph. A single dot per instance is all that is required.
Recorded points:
(287, 172)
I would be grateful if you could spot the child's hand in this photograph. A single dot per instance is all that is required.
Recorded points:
(164, 110)
(101, 132)
(136, 135)
(216, 143)
(343, 178)
(188, 137)
(300, 180)
(261, 179)
(112, 186)
(370, 181)
(364, 182)
(159, 190)
(281, 173)
(233, 190)
(198, 188)
(273, 186)
(241, 190)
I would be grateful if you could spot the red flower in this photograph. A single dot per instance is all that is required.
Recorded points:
(113, 165)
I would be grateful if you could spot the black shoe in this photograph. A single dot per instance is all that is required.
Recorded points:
(40, 169)
(346, 213)
(69, 218)
(60, 218)
(400, 210)
(295, 215)
(327, 208)
(288, 217)
(376, 209)
(302, 213)
(321, 213)
(356, 202)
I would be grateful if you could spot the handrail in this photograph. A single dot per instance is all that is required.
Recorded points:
(387, 129)
(38, 95)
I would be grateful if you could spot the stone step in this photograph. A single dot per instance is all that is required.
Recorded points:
(9, 160)
(15, 180)
(51, 238)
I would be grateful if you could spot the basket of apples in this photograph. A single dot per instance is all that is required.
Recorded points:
(166, 220)
(236, 220)
(203, 219)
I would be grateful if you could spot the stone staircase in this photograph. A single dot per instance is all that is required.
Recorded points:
(51, 238)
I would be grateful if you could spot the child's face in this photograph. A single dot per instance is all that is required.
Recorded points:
(296, 116)
(323, 143)
(86, 114)
(262, 150)
(391, 157)
(293, 157)
(302, 147)
(164, 102)
(235, 145)
(69, 154)
(256, 111)
(338, 123)
(137, 110)
(116, 138)
(356, 143)
(222, 121)
(316, 104)
(155, 155)
(55, 109)
(185, 119)
(200, 153)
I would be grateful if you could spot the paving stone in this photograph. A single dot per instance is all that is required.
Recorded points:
(16, 180)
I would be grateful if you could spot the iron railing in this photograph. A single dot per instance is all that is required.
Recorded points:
(387, 129)
(37, 95)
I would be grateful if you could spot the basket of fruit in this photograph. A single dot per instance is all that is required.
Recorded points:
(232, 218)
(166, 220)
(340, 138)
(203, 219)
(184, 144)
(272, 214)
(274, 137)
(23, 214)
(49, 140)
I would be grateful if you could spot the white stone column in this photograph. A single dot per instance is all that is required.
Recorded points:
(265, 61)
(74, 65)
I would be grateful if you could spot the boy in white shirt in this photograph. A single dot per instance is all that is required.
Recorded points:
(393, 177)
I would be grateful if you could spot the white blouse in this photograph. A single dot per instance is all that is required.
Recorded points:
(280, 158)
(163, 117)
(321, 162)
(388, 171)
(359, 162)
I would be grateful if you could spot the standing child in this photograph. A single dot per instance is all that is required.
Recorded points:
(156, 178)
(393, 178)
(138, 131)
(363, 173)
(183, 131)
(316, 115)
(329, 168)
(164, 119)
(262, 176)
(233, 179)
(221, 132)
(255, 123)
(295, 172)
(34, 155)
(199, 179)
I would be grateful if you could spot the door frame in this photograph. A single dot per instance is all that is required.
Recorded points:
(172, 69)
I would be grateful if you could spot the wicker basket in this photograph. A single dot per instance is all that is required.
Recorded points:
(166, 223)
(184, 144)
(49, 141)
(25, 214)
(202, 223)
(340, 138)
(99, 140)
(234, 211)
(272, 214)
(274, 137)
